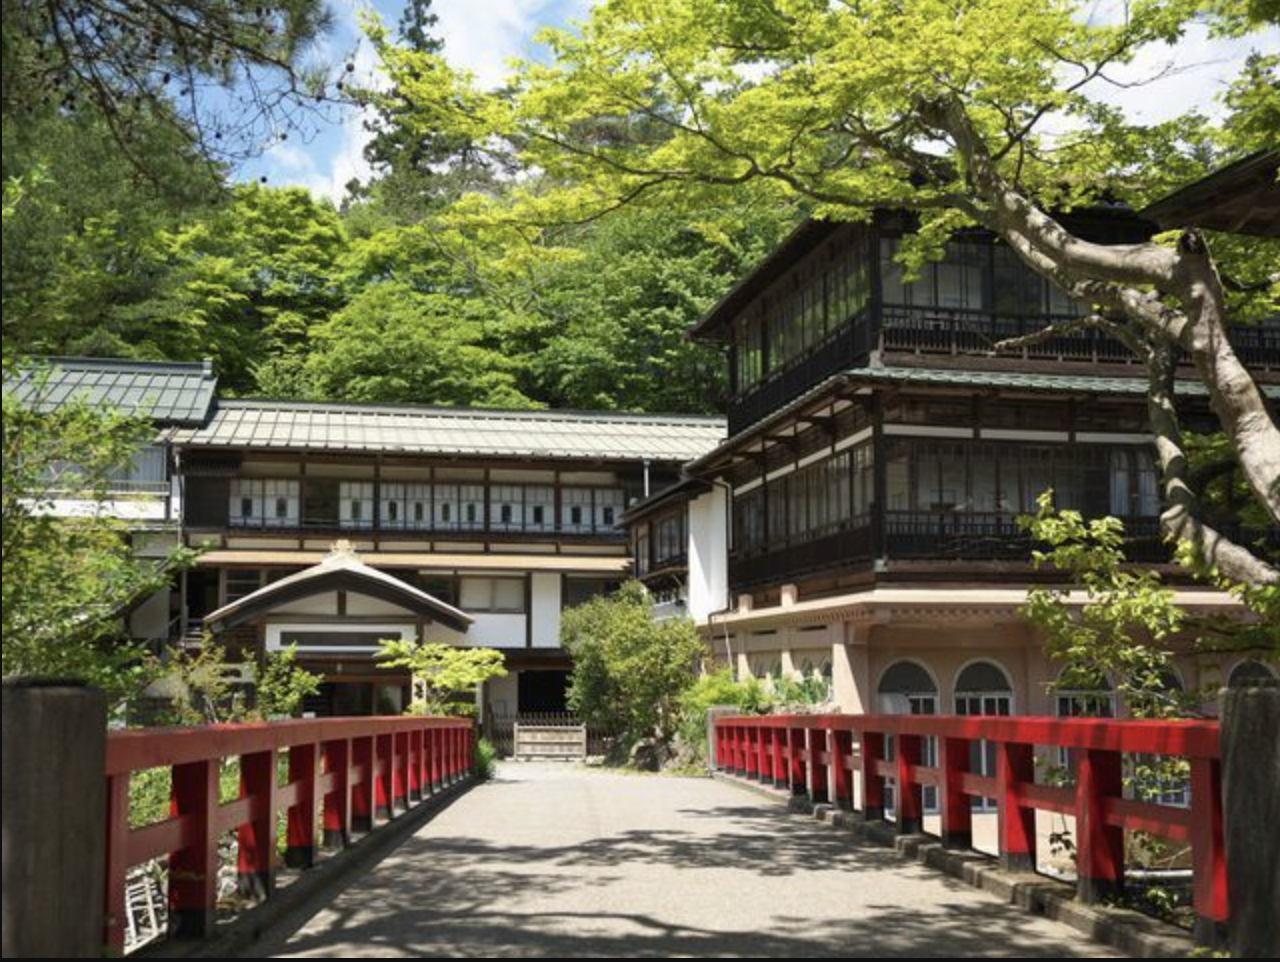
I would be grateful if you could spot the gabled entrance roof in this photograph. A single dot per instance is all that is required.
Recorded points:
(340, 570)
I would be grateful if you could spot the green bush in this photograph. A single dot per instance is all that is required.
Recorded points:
(484, 759)
(717, 688)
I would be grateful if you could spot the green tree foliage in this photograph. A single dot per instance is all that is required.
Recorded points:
(629, 671)
(393, 343)
(248, 283)
(1116, 621)
(70, 582)
(282, 684)
(445, 678)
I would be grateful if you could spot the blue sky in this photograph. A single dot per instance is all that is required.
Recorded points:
(483, 35)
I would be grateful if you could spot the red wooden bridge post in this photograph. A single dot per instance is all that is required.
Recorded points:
(400, 772)
(910, 792)
(117, 862)
(363, 782)
(421, 773)
(795, 760)
(256, 839)
(384, 763)
(816, 750)
(872, 747)
(193, 870)
(764, 763)
(1099, 846)
(433, 761)
(841, 783)
(752, 751)
(957, 817)
(336, 759)
(1208, 852)
(300, 822)
(778, 764)
(469, 748)
(412, 754)
(1015, 767)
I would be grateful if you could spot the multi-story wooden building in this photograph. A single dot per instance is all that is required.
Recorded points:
(859, 522)
(469, 526)
(333, 526)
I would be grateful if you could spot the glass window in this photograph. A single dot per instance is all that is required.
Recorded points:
(506, 595)
(356, 504)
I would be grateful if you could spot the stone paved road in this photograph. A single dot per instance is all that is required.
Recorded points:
(553, 860)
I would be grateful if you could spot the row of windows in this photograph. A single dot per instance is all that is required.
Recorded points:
(815, 300)
(932, 476)
(952, 477)
(973, 275)
(283, 503)
(661, 542)
(809, 503)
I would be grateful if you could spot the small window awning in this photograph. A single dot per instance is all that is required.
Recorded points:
(340, 570)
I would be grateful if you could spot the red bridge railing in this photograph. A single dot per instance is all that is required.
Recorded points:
(343, 773)
(823, 755)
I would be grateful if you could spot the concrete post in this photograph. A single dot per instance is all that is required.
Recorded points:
(1250, 734)
(53, 795)
(714, 712)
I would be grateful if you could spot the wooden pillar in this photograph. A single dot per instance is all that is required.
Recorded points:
(300, 838)
(1015, 767)
(55, 834)
(193, 870)
(336, 758)
(872, 780)
(841, 783)
(256, 839)
(910, 795)
(1099, 846)
(957, 808)
(364, 782)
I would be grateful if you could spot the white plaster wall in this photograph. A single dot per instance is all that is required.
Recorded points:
(708, 555)
(358, 604)
(545, 610)
(496, 631)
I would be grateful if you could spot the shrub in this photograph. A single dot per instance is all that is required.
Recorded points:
(484, 759)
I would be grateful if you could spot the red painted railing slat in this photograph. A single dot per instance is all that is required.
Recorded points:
(824, 756)
(343, 773)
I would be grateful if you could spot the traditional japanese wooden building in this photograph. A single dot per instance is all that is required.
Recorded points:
(860, 520)
(474, 527)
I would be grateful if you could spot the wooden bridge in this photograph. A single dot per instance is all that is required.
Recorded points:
(697, 863)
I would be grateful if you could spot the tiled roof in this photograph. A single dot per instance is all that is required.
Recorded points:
(1017, 380)
(168, 392)
(958, 377)
(297, 426)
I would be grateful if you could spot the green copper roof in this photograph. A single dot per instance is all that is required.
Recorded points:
(1019, 381)
(168, 392)
(460, 431)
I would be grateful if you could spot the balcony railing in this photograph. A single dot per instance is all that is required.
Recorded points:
(839, 350)
(992, 536)
(931, 329)
(850, 545)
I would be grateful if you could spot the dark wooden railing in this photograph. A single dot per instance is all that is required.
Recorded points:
(344, 773)
(844, 759)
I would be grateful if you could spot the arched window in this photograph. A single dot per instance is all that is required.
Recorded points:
(1250, 673)
(983, 688)
(906, 689)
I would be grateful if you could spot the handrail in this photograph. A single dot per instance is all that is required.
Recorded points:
(343, 773)
(827, 757)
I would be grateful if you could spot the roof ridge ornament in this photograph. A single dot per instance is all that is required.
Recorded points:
(342, 549)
